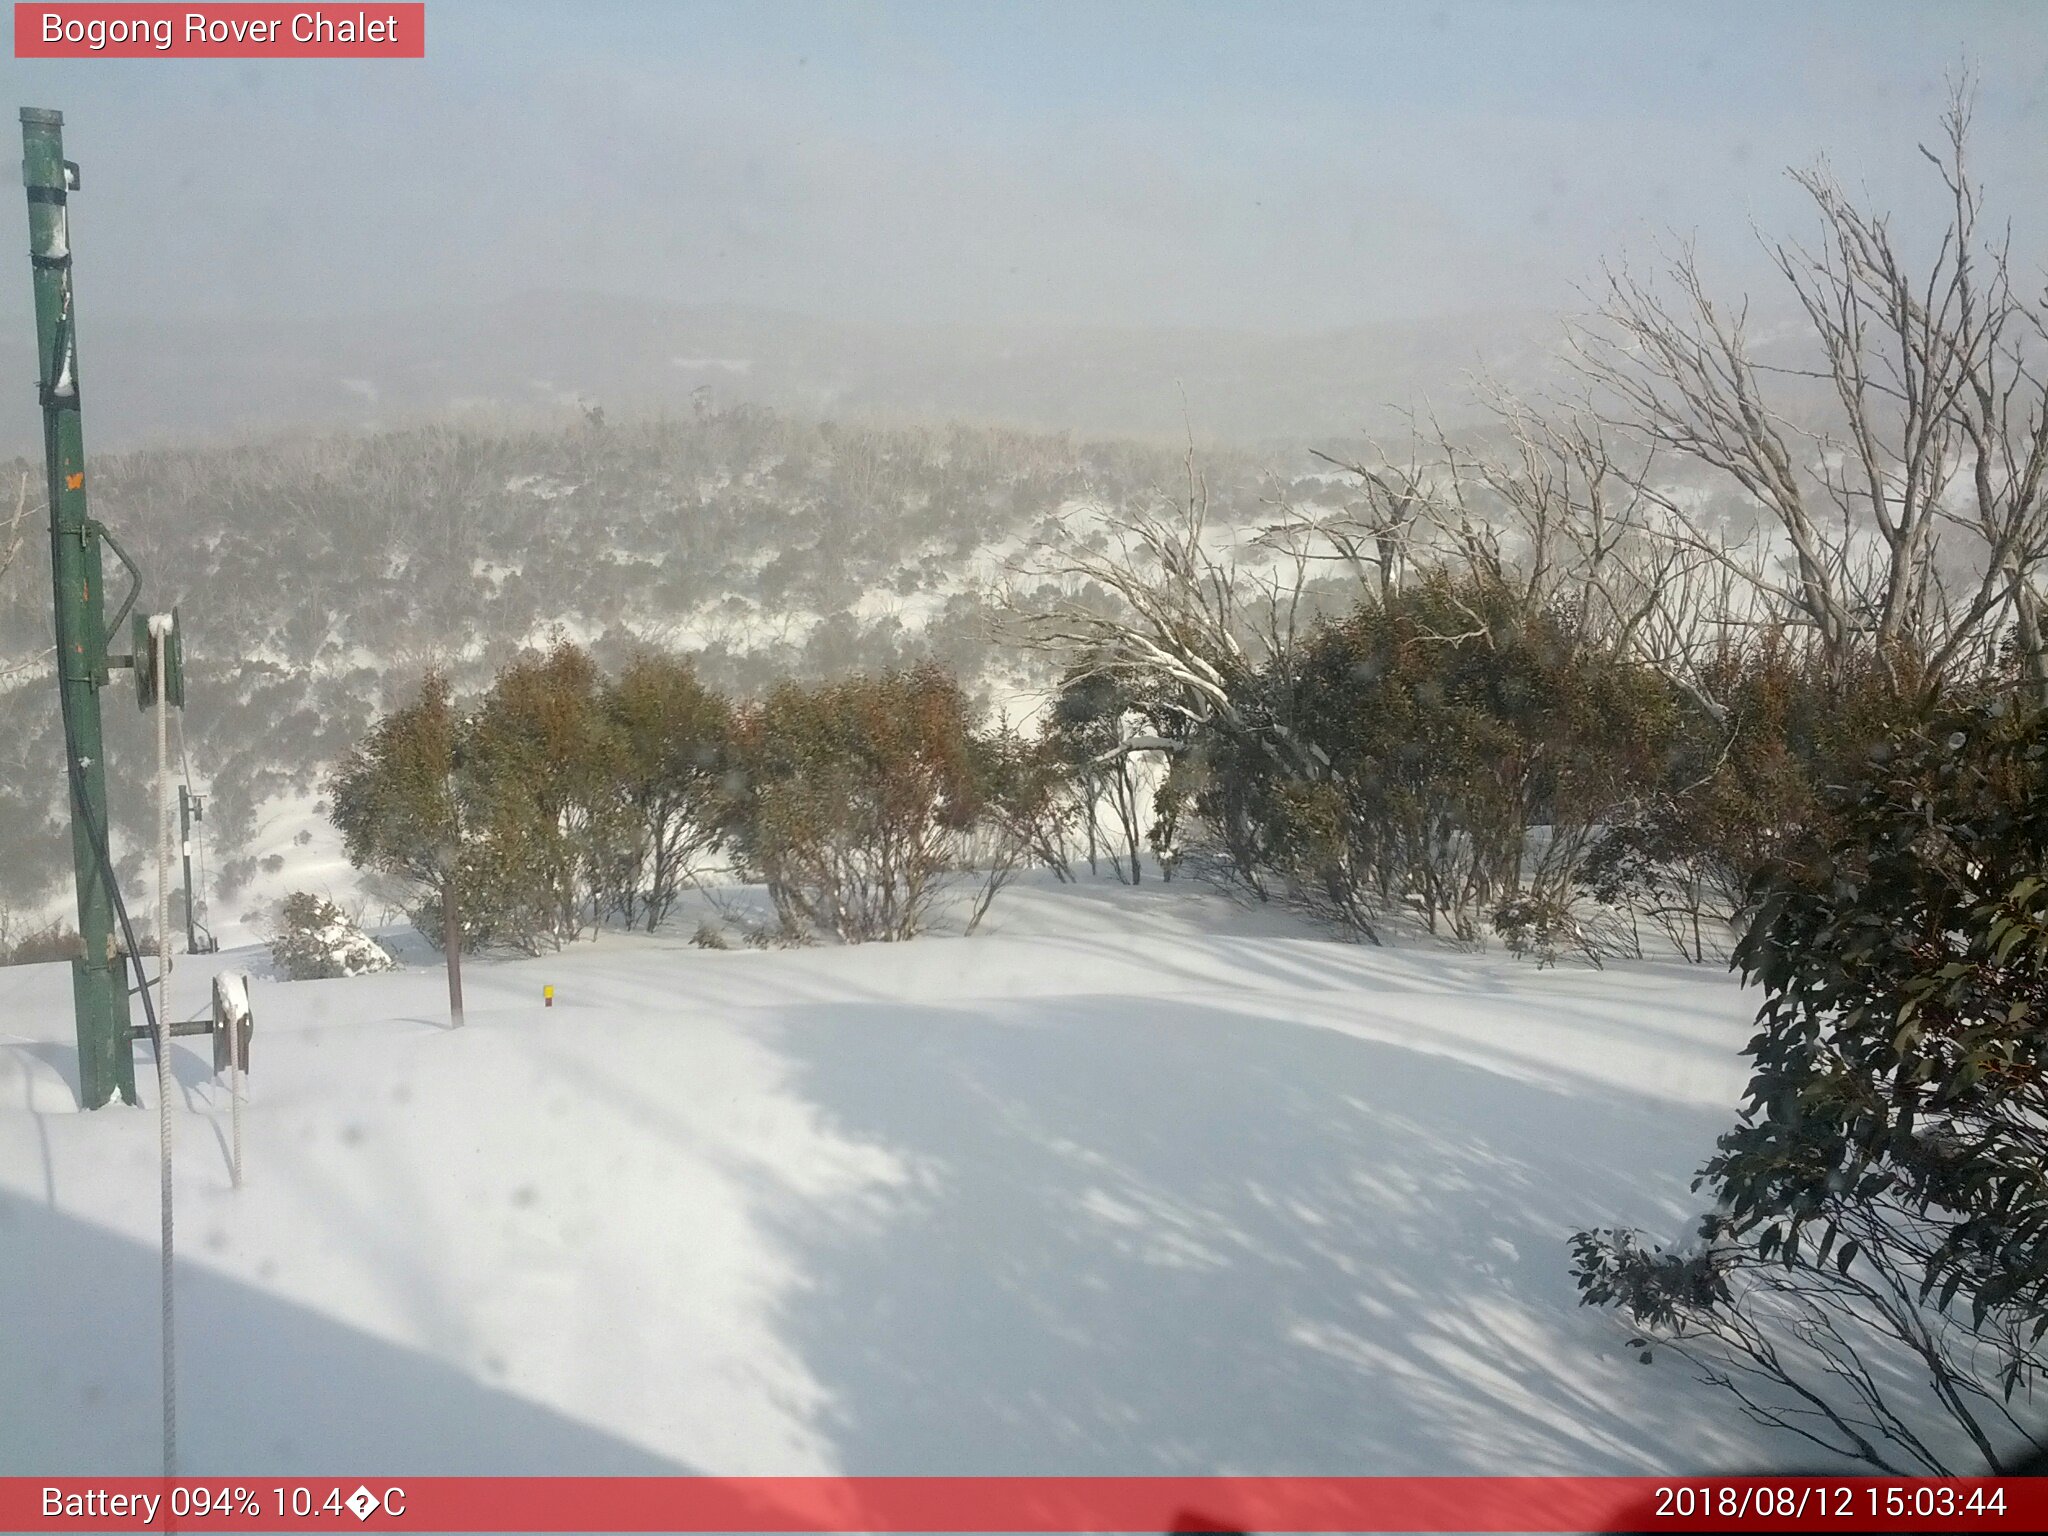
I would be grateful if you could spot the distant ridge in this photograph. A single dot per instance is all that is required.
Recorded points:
(152, 380)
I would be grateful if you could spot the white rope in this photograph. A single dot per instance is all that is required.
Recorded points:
(235, 1092)
(159, 626)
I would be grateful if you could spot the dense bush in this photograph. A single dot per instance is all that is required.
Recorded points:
(56, 940)
(565, 799)
(543, 778)
(1886, 1181)
(314, 940)
(1449, 753)
(1734, 791)
(849, 800)
(1449, 757)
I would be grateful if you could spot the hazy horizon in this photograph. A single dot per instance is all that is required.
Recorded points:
(1284, 170)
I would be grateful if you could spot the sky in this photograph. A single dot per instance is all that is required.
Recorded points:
(1269, 166)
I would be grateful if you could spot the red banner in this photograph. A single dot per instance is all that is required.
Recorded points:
(921, 1504)
(101, 31)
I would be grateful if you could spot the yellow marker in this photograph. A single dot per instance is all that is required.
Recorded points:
(547, 997)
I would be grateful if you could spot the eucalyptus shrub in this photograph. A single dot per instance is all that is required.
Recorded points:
(1463, 757)
(1887, 1185)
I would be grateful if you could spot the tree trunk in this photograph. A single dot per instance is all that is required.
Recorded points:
(2033, 641)
(451, 947)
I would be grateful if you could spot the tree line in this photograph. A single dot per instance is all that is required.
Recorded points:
(565, 799)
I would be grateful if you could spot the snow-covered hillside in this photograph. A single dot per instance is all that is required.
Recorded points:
(1137, 1182)
(766, 548)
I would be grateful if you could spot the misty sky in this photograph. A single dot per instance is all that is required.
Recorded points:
(1269, 166)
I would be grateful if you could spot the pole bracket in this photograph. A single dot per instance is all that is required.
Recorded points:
(94, 528)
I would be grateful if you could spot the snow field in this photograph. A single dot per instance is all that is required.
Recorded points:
(1136, 1181)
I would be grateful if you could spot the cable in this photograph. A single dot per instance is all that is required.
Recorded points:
(159, 632)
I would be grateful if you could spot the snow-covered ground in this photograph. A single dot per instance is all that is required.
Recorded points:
(1134, 1182)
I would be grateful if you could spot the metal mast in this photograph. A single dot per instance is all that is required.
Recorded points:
(99, 988)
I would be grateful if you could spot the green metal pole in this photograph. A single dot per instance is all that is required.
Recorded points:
(99, 987)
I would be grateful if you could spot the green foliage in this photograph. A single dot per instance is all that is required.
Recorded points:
(564, 799)
(670, 735)
(847, 799)
(396, 799)
(545, 782)
(1442, 724)
(560, 799)
(1733, 791)
(1654, 1287)
(1542, 927)
(1902, 1044)
(1885, 1185)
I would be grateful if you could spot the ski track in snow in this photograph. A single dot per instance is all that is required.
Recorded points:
(1135, 1182)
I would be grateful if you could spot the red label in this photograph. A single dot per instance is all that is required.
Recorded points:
(263, 31)
(74, 1505)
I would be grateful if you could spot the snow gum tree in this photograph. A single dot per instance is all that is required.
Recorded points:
(397, 801)
(1027, 806)
(1898, 457)
(847, 799)
(671, 738)
(1094, 719)
(545, 763)
(561, 799)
